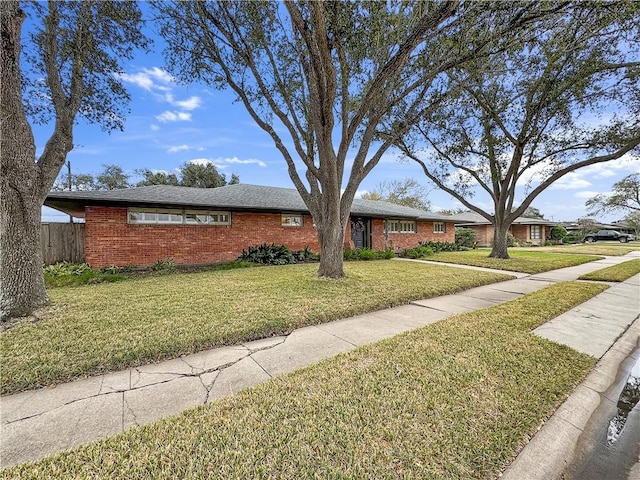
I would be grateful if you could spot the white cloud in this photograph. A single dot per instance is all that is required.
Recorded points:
(201, 161)
(623, 164)
(159, 74)
(570, 181)
(169, 116)
(154, 128)
(178, 148)
(189, 104)
(237, 161)
(147, 78)
(359, 193)
(586, 194)
(223, 163)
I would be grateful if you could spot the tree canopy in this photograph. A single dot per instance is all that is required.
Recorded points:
(190, 174)
(113, 177)
(533, 212)
(320, 77)
(407, 192)
(624, 197)
(562, 94)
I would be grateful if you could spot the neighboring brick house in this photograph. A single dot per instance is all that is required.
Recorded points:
(139, 226)
(531, 230)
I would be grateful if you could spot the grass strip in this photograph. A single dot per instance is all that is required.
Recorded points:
(607, 248)
(107, 327)
(455, 399)
(520, 261)
(615, 273)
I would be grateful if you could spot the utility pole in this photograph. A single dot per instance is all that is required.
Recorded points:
(69, 183)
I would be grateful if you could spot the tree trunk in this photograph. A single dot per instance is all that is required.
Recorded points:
(499, 248)
(21, 280)
(21, 193)
(331, 239)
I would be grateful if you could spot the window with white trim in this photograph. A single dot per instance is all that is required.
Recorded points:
(168, 216)
(535, 232)
(290, 220)
(402, 226)
(439, 227)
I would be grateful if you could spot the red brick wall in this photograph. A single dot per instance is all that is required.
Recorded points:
(400, 241)
(110, 240)
(523, 234)
(484, 234)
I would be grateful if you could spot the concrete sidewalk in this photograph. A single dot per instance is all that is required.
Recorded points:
(40, 422)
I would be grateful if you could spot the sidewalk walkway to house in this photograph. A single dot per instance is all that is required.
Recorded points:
(36, 423)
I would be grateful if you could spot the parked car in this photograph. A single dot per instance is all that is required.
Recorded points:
(608, 235)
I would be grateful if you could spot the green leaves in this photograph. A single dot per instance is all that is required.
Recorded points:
(73, 56)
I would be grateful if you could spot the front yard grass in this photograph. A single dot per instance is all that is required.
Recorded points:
(615, 273)
(520, 261)
(601, 248)
(455, 399)
(94, 329)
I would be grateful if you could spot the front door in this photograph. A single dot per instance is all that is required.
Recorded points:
(361, 232)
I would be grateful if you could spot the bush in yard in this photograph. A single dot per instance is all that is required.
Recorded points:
(417, 252)
(62, 269)
(306, 255)
(268, 255)
(573, 237)
(558, 233)
(443, 246)
(511, 240)
(387, 254)
(466, 237)
(113, 269)
(367, 254)
(167, 265)
(67, 273)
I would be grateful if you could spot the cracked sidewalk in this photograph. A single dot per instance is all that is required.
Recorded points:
(39, 422)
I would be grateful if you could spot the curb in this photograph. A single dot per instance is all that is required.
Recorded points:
(554, 446)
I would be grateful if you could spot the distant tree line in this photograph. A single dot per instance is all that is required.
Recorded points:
(113, 177)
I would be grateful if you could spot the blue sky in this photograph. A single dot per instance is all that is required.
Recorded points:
(170, 124)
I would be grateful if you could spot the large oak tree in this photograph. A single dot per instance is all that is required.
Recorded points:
(72, 51)
(319, 78)
(564, 95)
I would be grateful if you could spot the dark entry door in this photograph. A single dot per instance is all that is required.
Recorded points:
(361, 232)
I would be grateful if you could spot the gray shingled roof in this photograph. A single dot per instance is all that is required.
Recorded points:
(240, 197)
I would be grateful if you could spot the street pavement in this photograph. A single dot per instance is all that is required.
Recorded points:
(36, 423)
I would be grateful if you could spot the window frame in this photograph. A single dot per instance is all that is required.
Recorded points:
(182, 213)
(288, 216)
(402, 226)
(538, 232)
(437, 230)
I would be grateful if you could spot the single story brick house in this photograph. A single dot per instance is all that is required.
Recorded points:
(533, 230)
(139, 226)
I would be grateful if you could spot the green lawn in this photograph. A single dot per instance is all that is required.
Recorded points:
(599, 248)
(105, 327)
(455, 399)
(520, 261)
(615, 273)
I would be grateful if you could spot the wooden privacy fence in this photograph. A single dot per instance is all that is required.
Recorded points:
(62, 242)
